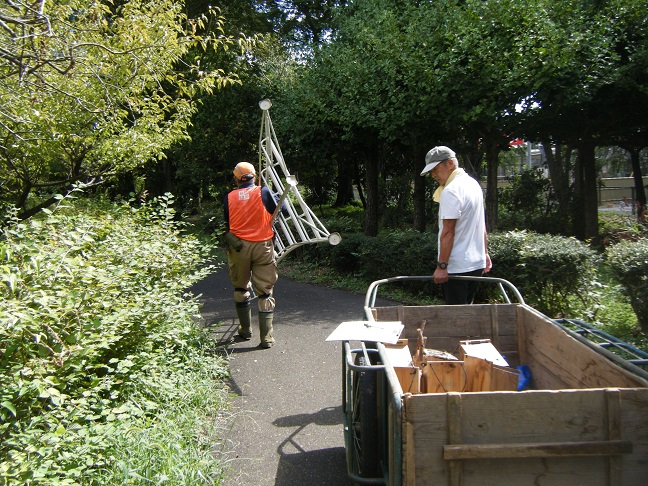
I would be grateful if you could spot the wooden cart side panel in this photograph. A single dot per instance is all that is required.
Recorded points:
(557, 360)
(447, 325)
(566, 416)
(633, 425)
(409, 457)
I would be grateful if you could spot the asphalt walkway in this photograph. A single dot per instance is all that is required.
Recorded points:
(288, 428)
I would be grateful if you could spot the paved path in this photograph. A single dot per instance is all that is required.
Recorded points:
(288, 428)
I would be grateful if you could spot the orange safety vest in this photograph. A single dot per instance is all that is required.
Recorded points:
(248, 217)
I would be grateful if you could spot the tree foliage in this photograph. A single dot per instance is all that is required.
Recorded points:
(399, 77)
(361, 91)
(584, 61)
(93, 89)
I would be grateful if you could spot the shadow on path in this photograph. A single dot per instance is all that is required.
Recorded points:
(298, 466)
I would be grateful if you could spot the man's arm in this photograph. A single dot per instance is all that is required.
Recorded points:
(446, 243)
(270, 203)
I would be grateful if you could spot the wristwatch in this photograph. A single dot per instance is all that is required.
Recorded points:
(442, 265)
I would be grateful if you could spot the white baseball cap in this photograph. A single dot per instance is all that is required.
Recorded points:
(437, 155)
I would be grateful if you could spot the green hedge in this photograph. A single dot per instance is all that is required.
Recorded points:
(629, 262)
(555, 274)
(96, 339)
(387, 255)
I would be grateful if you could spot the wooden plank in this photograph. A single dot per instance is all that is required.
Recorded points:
(409, 449)
(454, 415)
(530, 449)
(495, 333)
(409, 379)
(430, 466)
(501, 417)
(443, 376)
(533, 471)
(479, 373)
(523, 354)
(504, 379)
(451, 345)
(400, 359)
(452, 321)
(485, 376)
(560, 415)
(446, 325)
(633, 419)
(431, 429)
(481, 348)
(398, 354)
(613, 409)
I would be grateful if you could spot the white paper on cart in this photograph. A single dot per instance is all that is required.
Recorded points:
(383, 331)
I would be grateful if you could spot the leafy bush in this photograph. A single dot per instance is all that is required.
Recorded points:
(615, 315)
(387, 255)
(210, 221)
(629, 262)
(555, 274)
(399, 253)
(614, 228)
(348, 219)
(346, 256)
(96, 334)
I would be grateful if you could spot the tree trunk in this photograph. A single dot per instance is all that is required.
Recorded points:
(371, 210)
(344, 184)
(559, 170)
(589, 190)
(492, 155)
(418, 197)
(578, 199)
(640, 190)
(358, 183)
(55, 199)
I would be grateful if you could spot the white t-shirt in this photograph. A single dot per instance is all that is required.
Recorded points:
(463, 200)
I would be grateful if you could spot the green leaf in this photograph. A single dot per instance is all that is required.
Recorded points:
(9, 406)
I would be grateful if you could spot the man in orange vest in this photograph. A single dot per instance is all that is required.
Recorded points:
(250, 254)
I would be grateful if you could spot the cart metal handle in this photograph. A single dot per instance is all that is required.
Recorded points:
(372, 291)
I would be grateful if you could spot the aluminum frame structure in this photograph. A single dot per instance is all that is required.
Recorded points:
(296, 225)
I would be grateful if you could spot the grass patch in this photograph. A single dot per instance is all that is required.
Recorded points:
(183, 443)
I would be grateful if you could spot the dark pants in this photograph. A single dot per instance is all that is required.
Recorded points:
(461, 291)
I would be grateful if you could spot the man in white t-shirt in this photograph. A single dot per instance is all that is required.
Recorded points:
(463, 242)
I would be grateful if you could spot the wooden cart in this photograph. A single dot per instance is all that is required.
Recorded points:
(429, 410)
